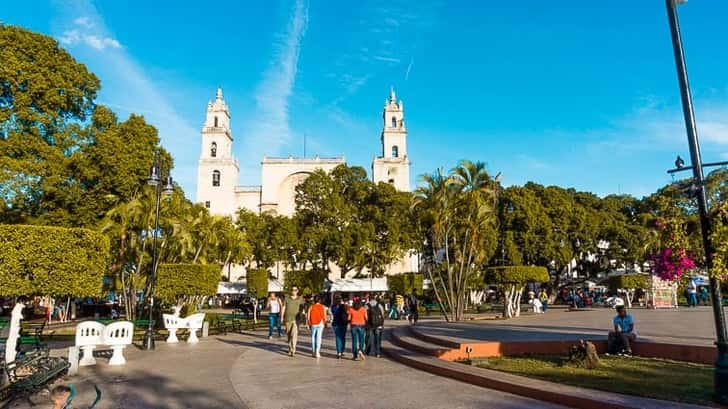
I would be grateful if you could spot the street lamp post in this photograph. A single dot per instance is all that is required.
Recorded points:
(721, 364)
(155, 180)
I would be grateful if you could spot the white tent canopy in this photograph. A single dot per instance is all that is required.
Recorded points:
(354, 285)
(275, 286)
(240, 287)
(231, 287)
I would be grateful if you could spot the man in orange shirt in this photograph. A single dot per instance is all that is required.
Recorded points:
(317, 322)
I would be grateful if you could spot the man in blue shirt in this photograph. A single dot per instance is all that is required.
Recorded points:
(624, 333)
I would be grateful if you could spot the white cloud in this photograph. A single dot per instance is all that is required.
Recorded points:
(127, 88)
(84, 33)
(270, 129)
(386, 59)
(83, 22)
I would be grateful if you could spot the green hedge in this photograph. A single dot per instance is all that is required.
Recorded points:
(176, 281)
(256, 280)
(308, 281)
(518, 275)
(55, 261)
(404, 283)
(628, 281)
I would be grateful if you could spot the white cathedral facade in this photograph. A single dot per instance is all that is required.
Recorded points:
(217, 174)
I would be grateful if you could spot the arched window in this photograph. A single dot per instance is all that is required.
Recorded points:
(394, 122)
(215, 122)
(391, 181)
(213, 149)
(216, 178)
(395, 151)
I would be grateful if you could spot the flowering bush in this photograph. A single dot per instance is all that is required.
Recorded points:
(671, 264)
(673, 260)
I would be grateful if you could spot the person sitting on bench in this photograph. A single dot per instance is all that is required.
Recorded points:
(623, 333)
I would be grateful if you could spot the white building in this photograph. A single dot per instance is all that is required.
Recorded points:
(217, 175)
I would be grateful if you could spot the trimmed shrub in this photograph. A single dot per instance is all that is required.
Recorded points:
(55, 261)
(405, 282)
(512, 279)
(628, 281)
(256, 280)
(516, 275)
(180, 282)
(307, 281)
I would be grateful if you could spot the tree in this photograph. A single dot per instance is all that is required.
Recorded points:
(257, 282)
(66, 161)
(55, 261)
(309, 282)
(458, 222)
(513, 279)
(44, 95)
(183, 284)
(404, 283)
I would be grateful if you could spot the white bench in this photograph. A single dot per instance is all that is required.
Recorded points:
(194, 322)
(88, 335)
(118, 335)
(91, 334)
(172, 323)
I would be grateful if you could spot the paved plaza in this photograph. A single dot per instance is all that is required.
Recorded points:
(690, 326)
(250, 371)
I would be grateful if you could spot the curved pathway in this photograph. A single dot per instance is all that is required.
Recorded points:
(264, 376)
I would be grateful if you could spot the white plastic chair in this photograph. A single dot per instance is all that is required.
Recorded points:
(194, 322)
(89, 334)
(172, 323)
(118, 335)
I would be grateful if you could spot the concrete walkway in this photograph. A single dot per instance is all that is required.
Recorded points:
(249, 371)
(266, 377)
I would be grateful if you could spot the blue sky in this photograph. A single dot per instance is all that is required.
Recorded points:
(574, 93)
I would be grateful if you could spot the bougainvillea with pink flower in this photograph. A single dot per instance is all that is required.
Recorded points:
(671, 264)
(673, 260)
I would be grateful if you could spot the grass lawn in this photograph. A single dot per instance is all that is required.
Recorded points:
(653, 378)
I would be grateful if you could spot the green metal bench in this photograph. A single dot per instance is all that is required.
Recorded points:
(32, 334)
(29, 374)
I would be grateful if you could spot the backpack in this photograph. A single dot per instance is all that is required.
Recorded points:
(376, 318)
(342, 314)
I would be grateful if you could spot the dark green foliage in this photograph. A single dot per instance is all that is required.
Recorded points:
(65, 160)
(628, 281)
(309, 282)
(37, 260)
(257, 282)
(176, 282)
(404, 283)
(516, 275)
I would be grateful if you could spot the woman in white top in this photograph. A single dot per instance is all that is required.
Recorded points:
(274, 314)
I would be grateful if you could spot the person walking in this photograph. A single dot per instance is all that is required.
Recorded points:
(543, 296)
(358, 320)
(692, 293)
(291, 312)
(375, 326)
(340, 314)
(274, 314)
(412, 304)
(317, 323)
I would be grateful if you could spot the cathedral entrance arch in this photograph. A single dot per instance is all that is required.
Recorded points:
(287, 192)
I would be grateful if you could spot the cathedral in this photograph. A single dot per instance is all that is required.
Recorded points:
(217, 174)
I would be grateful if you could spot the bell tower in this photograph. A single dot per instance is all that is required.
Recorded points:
(217, 169)
(393, 166)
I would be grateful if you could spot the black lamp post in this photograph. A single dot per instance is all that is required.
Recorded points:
(155, 180)
(721, 364)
